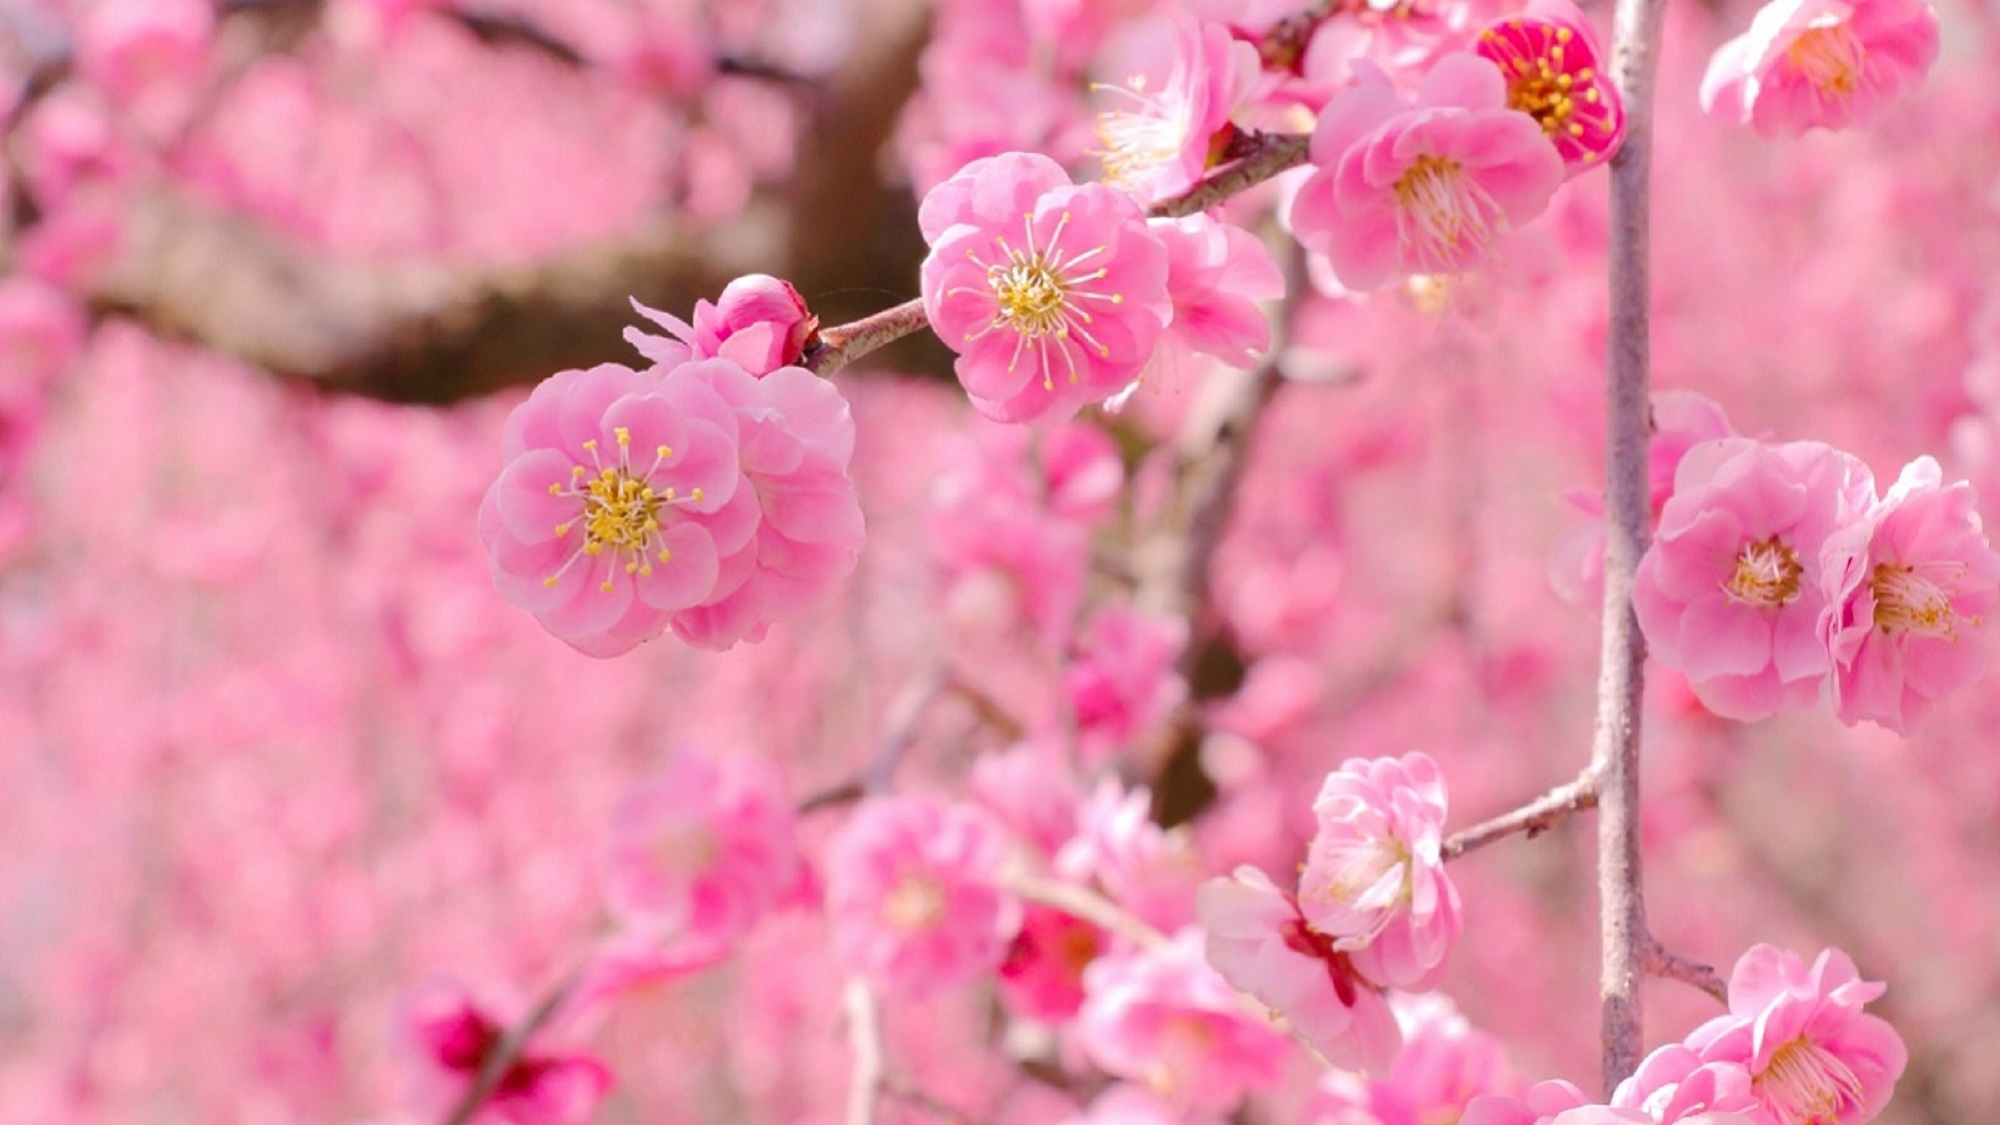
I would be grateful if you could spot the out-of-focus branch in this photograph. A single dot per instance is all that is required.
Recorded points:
(507, 1052)
(1620, 686)
(1269, 155)
(1531, 819)
(1284, 44)
(864, 1037)
(1672, 966)
(1082, 902)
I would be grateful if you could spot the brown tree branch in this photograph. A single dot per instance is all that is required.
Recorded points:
(1531, 819)
(1671, 966)
(1620, 687)
(508, 1051)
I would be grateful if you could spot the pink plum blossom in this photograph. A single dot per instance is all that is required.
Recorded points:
(618, 503)
(1445, 1063)
(912, 889)
(700, 852)
(1164, 1018)
(1129, 1105)
(1053, 295)
(444, 1038)
(1374, 879)
(1150, 871)
(1908, 589)
(1675, 1084)
(1543, 1102)
(1728, 592)
(1260, 943)
(759, 321)
(1554, 71)
(1159, 142)
(1216, 274)
(1820, 63)
(1814, 1057)
(1425, 187)
(797, 440)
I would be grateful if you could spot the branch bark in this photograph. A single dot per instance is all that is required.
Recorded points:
(1620, 685)
(1531, 819)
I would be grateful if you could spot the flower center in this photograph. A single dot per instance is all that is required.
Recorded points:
(1767, 575)
(1536, 60)
(1831, 57)
(1366, 877)
(916, 903)
(1040, 294)
(1440, 214)
(1136, 141)
(620, 511)
(1806, 1084)
(1915, 599)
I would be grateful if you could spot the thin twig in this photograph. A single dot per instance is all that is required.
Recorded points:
(507, 1052)
(1081, 902)
(1531, 819)
(864, 1037)
(1284, 44)
(1671, 966)
(1269, 155)
(1620, 684)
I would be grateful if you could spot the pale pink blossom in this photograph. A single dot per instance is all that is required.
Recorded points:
(1374, 879)
(1814, 1057)
(1032, 790)
(1053, 295)
(1554, 70)
(1425, 187)
(913, 893)
(618, 502)
(443, 1039)
(42, 331)
(128, 48)
(1260, 943)
(1216, 274)
(700, 852)
(1148, 870)
(759, 321)
(1159, 141)
(1729, 593)
(1164, 1018)
(1909, 590)
(1129, 1105)
(796, 443)
(1820, 63)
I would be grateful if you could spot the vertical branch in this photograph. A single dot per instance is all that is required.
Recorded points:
(1620, 683)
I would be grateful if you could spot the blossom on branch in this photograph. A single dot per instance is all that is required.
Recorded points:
(444, 1040)
(1426, 187)
(760, 322)
(1054, 295)
(1814, 1057)
(1909, 590)
(1550, 59)
(1159, 142)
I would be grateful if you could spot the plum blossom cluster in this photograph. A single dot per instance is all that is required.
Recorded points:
(707, 495)
(1777, 572)
(1373, 910)
(1807, 64)
(1796, 1048)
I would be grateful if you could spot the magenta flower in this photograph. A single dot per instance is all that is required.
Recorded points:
(760, 322)
(1908, 589)
(1728, 592)
(443, 1039)
(1042, 976)
(618, 502)
(1424, 188)
(1053, 295)
(700, 852)
(1814, 1057)
(1261, 944)
(1549, 57)
(912, 889)
(1824, 63)
(1162, 141)
(1163, 1018)
(1374, 879)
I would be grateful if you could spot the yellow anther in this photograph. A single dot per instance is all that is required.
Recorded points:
(624, 435)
